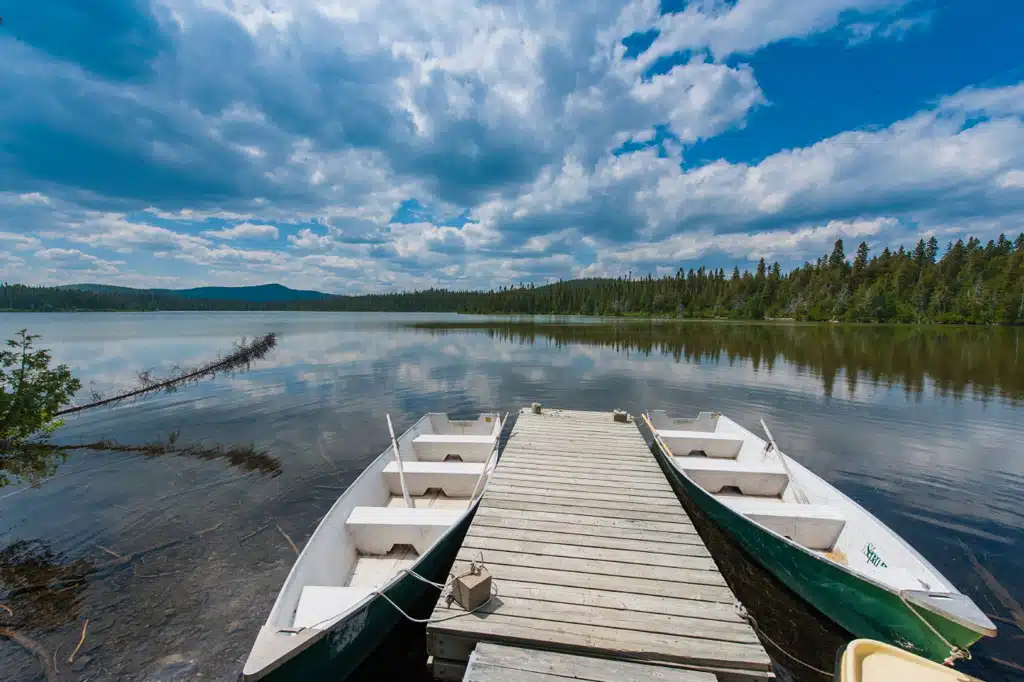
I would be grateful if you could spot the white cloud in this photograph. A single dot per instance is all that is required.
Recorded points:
(75, 260)
(20, 241)
(243, 231)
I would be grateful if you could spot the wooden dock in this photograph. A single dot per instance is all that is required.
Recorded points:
(592, 555)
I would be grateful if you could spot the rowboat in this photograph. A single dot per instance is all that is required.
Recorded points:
(391, 534)
(817, 541)
(865, 660)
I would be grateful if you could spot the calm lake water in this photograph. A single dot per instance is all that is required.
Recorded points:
(924, 427)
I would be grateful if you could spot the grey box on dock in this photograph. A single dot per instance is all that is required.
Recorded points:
(471, 591)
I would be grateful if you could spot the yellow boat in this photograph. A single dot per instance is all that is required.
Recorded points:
(865, 660)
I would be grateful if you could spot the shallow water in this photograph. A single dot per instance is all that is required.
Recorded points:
(922, 426)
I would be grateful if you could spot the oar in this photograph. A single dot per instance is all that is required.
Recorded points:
(398, 458)
(797, 492)
(494, 449)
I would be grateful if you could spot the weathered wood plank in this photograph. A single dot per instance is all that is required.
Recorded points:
(565, 498)
(651, 557)
(576, 449)
(699, 576)
(568, 517)
(482, 535)
(444, 670)
(646, 500)
(642, 603)
(555, 468)
(464, 645)
(620, 619)
(610, 641)
(496, 519)
(676, 590)
(560, 667)
(503, 502)
(499, 479)
(586, 481)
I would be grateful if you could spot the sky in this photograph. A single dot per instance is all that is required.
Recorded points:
(358, 146)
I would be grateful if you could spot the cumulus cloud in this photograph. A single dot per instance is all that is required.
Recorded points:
(535, 144)
(243, 231)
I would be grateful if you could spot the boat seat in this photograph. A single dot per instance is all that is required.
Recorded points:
(434, 447)
(815, 526)
(456, 479)
(319, 604)
(767, 478)
(712, 444)
(375, 530)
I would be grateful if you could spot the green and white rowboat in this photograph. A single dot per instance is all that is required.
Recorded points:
(816, 540)
(408, 511)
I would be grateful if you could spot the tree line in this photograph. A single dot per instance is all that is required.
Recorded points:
(970, 283)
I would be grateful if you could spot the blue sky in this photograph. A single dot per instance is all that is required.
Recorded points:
(352, 145)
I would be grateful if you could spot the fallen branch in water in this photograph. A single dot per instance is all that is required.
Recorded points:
(35, 648)
(81, 640)
(7, 608)
(294, 548)
(1008, 664)
(255, 532)
(110, 551)
(240, 359)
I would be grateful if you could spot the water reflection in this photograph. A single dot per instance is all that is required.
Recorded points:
(941, 464)
(982, 362)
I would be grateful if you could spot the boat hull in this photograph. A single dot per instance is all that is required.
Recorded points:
(859, 606)
(335, 655)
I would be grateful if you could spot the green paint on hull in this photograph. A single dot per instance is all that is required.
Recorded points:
(859, 606)
(336, 655)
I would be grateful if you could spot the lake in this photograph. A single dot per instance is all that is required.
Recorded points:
(923, 426)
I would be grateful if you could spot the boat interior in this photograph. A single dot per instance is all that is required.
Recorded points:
(753, 478)
(390, 516)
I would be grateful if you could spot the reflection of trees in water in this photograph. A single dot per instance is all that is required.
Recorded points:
(985, 362)
(42, 588)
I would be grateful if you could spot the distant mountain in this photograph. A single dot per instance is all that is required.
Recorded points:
(263, 293)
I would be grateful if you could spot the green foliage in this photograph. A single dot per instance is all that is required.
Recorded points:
(972, 283)
(31, 393)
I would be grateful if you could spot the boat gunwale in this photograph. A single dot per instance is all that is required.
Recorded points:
(974, 626)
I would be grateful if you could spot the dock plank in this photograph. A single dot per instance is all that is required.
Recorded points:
(706, 575)
(592, 556)
(489, 537)
(695, 591)
(494, 519)
(497, 663)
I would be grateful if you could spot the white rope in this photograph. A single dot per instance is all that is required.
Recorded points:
(745, 615)
(474, 569)
(955, 652)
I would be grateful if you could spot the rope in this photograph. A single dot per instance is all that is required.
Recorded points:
(745, 615)
(474, 569)
(955, 652)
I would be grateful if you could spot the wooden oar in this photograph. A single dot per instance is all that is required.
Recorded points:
(398, 458)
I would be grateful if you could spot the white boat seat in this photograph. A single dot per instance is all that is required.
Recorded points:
(435, 447)
(456, 479)
(713, 444)
(815, 526)
(375, 530)
(319, 605)
(767, 478)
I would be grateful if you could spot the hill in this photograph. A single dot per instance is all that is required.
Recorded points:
(263, 293)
